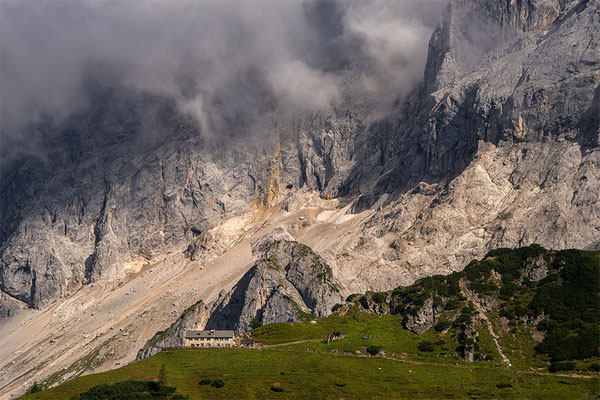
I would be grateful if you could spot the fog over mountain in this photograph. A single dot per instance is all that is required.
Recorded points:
(227, 64)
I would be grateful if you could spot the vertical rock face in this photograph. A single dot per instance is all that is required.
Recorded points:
(497, 146)
(127, 179)
(420, 319)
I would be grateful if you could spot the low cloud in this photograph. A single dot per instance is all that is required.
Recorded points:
(228, 64)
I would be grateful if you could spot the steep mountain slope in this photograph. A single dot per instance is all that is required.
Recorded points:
(508, 106)
(498, 146)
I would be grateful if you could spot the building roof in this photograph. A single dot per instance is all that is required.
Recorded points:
(209, 334)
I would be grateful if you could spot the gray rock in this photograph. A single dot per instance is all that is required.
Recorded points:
(497, 147)
(193, 318)
(277, 235)
(537, 270)
(419, 320)
(288, 283)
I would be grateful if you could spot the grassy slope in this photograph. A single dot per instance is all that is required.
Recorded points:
(314, 369)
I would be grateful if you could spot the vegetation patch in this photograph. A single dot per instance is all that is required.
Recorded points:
(131, 390)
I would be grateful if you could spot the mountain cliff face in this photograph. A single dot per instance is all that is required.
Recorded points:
(497, 147)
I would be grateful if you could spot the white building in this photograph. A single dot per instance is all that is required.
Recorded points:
(209, 338)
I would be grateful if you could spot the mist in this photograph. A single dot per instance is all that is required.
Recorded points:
(227, 64)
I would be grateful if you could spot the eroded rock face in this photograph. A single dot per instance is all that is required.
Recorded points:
(419, 320)
(497, 147)
(288, 283)
(193, 318)
(129, 179)
(537, 270)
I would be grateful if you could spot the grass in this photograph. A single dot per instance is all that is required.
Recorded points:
(336, 370)
(250, 373)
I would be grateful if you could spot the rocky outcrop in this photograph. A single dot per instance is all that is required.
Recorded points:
(193, 318)
(288, 283)
(536, 270)
(497, 148)
(420, 319)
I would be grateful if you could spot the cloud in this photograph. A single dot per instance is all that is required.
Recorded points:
(302, 87)
(226, 63)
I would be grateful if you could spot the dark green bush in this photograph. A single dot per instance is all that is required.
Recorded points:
(442, 326)
(379, 297)
(352, 297)
(502, 385)
(562, 366)
(131, 390)
(277, 389)
(373, 349)
(205, 381)
(594, 367)
(336, 307)
(218, 383)
(255, 323)
(498, 252)
(425, 345)
(452, 304)
(35, 388)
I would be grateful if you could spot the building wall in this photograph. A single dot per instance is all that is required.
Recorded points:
(210, 342)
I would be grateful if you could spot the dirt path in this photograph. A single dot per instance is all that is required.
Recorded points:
(481, 312)
(291, 343)
(470, 367)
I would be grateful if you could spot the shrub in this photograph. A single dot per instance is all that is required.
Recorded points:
(255, 323)
(352, 297)
(373, 349)
(452, 304)
(425, 345)
(35, 388)
(336, 307)
(562, 366)
(218, 383)
(131, 390)
(379, 297)
(594, 367)
(502, 385)
(205, 381)
(442, 326)
(277, 389)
